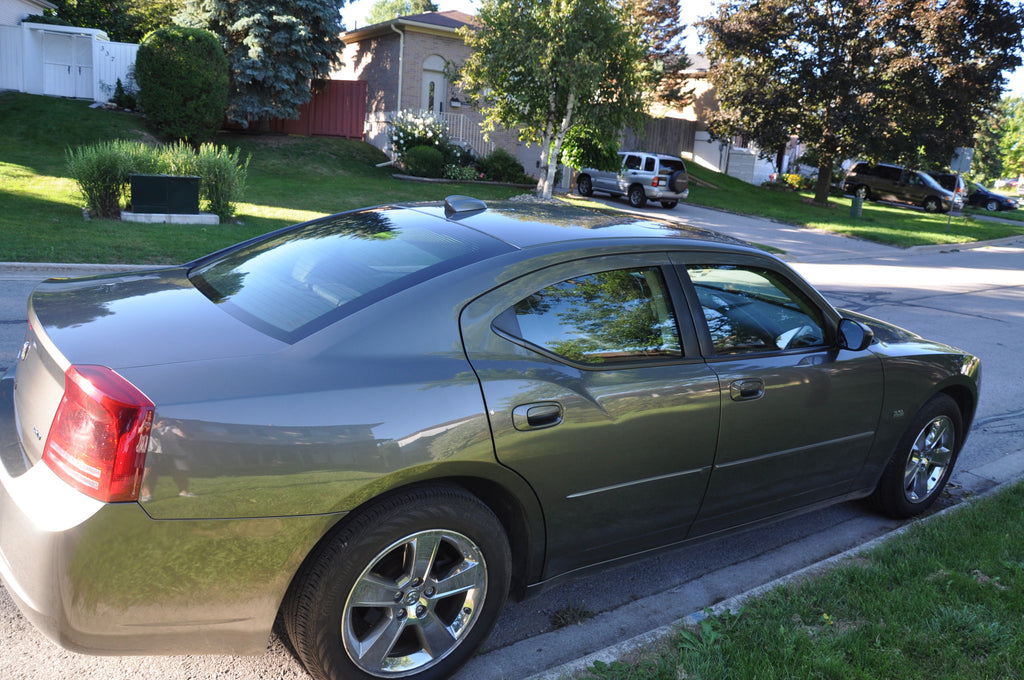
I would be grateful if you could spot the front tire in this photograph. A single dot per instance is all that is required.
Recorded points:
(408, 588)
(668, 205)
(992, 205)
(932, 205)
(637, 196)
(923, 460)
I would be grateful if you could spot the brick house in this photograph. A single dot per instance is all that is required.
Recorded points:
(408, 64)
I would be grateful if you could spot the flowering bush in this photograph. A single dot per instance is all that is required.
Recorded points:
(409, 129)
(462, 172)
(798, 182)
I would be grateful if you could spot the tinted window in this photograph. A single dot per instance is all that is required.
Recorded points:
(607, 317)
(649, 164)
(754, 310)
(671, 165)
(632, 162)
(297, 281)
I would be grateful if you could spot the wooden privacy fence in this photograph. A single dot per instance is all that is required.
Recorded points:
(337, 109)
(672, 136)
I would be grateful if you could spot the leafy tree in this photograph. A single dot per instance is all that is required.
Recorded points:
(883, 79)
(541, 66)
(275, 50)
(1011, 142)
(386, 10)
(182, 75)
(122, 21)
(663, 32)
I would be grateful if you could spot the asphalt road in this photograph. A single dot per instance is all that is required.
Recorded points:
(972, 298)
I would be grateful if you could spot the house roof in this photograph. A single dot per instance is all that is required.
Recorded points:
(431, 22)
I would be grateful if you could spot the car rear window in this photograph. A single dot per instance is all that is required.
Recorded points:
(294, 282)
(671, 165)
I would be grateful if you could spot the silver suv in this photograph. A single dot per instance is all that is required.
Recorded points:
(642, 177)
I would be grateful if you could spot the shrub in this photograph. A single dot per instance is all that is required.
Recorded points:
(501, 166)
(424, 161)
(462, 172)
(182, 75)
(102, 171)
(408, 130)
(222, 180)
(123, 97)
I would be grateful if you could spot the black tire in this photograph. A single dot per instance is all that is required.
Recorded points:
(371, 602)
(637, 196)
(923, 460)
(932, 204)
(992, 205)
(668, 205)
(584, 186)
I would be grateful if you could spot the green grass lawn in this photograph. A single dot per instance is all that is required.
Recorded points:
(942, 601)
(293, 179)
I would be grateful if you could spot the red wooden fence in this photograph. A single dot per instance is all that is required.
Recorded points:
(337, 109)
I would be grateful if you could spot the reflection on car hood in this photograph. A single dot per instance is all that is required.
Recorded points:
(142, 318)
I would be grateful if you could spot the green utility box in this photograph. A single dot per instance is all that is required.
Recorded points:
(169, 194)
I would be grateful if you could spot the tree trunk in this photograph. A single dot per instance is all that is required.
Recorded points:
(824, 180)
(552, 148)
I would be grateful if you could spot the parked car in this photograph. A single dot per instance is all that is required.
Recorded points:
(951, 181)
(981, 197)
(885, 182)
(643, 176)
(378, 424)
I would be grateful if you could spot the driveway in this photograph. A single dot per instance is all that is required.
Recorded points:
(970, 297)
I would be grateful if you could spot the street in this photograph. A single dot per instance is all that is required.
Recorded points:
(968, 297)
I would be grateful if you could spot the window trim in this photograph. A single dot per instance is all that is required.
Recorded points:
(517, 289)
(829, 316)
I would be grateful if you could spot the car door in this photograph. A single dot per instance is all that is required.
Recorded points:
(606, 180)
(632, 167)
(799, 415)
(598, 398)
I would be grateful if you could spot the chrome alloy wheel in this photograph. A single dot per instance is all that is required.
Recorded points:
(929, 458)
(414, 603)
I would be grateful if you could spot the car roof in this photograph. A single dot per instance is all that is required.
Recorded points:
(652, 153)
(524, 224)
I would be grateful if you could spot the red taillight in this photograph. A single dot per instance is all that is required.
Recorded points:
(654, 182)
(100, 433)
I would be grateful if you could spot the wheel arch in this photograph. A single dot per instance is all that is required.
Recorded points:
(966, 401)
(523, 524)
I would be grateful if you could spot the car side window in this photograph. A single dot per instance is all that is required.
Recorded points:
(609, 317)
(649, 165)
(751, 309)
(632, 163)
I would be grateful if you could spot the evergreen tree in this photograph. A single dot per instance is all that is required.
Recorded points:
(275, 50)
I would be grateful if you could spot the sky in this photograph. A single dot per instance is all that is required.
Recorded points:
(355, 13)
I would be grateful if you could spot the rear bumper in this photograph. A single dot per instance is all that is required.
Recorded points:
(106, 578)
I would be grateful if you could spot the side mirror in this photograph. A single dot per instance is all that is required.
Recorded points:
(854, 336)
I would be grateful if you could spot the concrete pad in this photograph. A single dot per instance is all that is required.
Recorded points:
(168, 218)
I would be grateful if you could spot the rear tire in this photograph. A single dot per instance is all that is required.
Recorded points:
(637, 196)
(923, 460)
(992, 205)
(409, 587)
(668, 205)
(932, 205)
(584, 185)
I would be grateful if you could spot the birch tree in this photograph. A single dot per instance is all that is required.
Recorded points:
(540, 66)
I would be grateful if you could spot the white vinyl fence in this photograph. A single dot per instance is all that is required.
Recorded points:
(63, 61)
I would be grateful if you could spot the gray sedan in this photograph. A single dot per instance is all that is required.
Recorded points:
(380, 424)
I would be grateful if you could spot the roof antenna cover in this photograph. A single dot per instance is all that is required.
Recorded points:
(457, 205)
